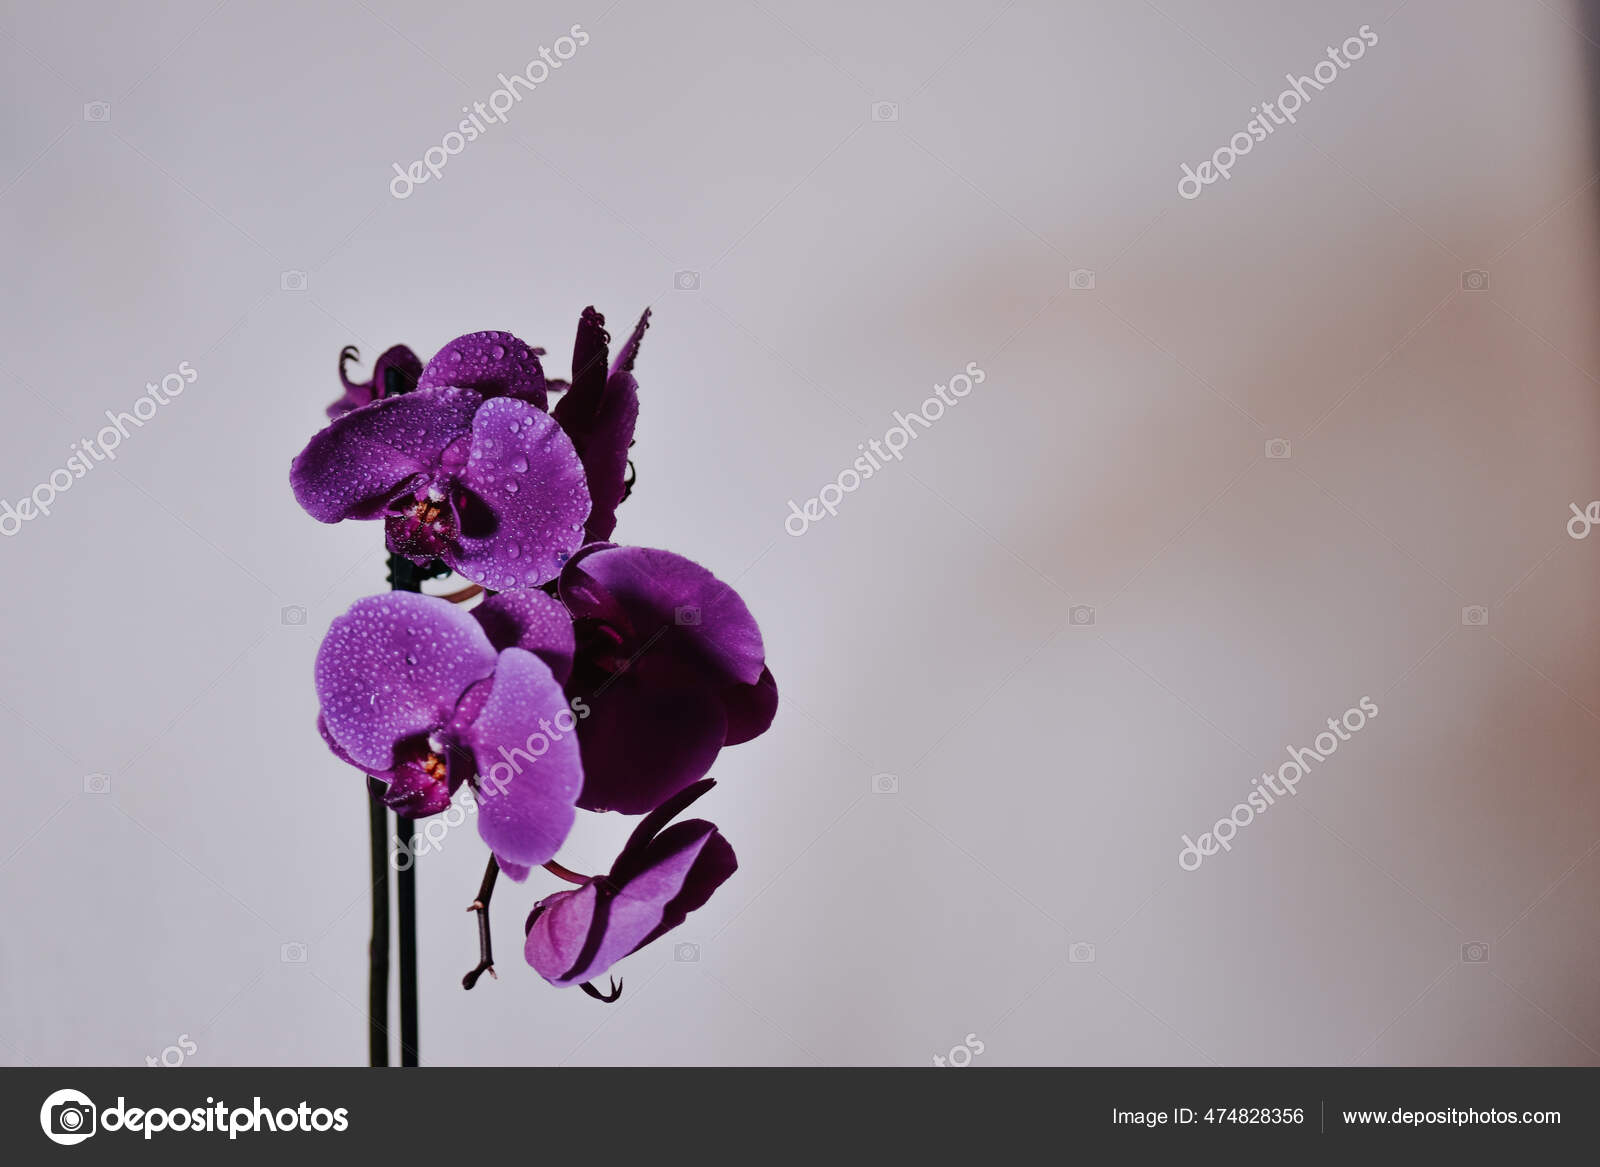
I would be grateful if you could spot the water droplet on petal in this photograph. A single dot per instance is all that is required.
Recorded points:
(455, 356)
(519, 464)
(499, 352)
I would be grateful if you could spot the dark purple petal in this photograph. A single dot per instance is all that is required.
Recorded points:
(751, 708)
(634, 856)
(713, 863)
(352, 467)
(629, 352)
(531, 620)
(529, 772)
(410, 788)
(496, 364)
(417, 786)
(645, 738)
(583, 597)
(599, 413)
(393, 373)
(668, 597)
(530, 494)
(590, 359)
(394, 667)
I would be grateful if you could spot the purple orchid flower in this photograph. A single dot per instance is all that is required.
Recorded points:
(487, 483)
(671, 666)
(393, 373)
(599, 411)
(495, 364)
(662, 875)
(423, 697)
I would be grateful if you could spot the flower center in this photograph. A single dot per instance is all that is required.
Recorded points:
(422, 526)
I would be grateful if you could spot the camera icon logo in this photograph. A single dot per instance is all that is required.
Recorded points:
(292, 281)
(293, 952)
(68, 1117)
(885, 111)
(1475, 616)
(97, 784)
(686, 281)
(97, 111)
(1278, 448)
(885, 784)
(1081, 953)
(687, 615)
(1475, 952)
(1080, 615)
(686, 953)
(1081, 279)
(294, 616)
(1475, 280)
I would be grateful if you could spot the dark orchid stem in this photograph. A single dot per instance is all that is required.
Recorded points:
(561, 872)
(378, 946)
(406, 899)
(481, 906)
(405, 576)
(463, 595)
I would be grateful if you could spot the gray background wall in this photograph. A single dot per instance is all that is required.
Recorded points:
(1114, 457)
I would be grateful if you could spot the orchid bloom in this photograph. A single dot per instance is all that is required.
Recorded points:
(672, 666)
(424, 697)
(663, 874)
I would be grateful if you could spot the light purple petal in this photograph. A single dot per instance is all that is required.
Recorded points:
(529, 772)
(532, 498)
(393, 667)
(354, 465)
(496, 364)
(581, 934)
(531, 620)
